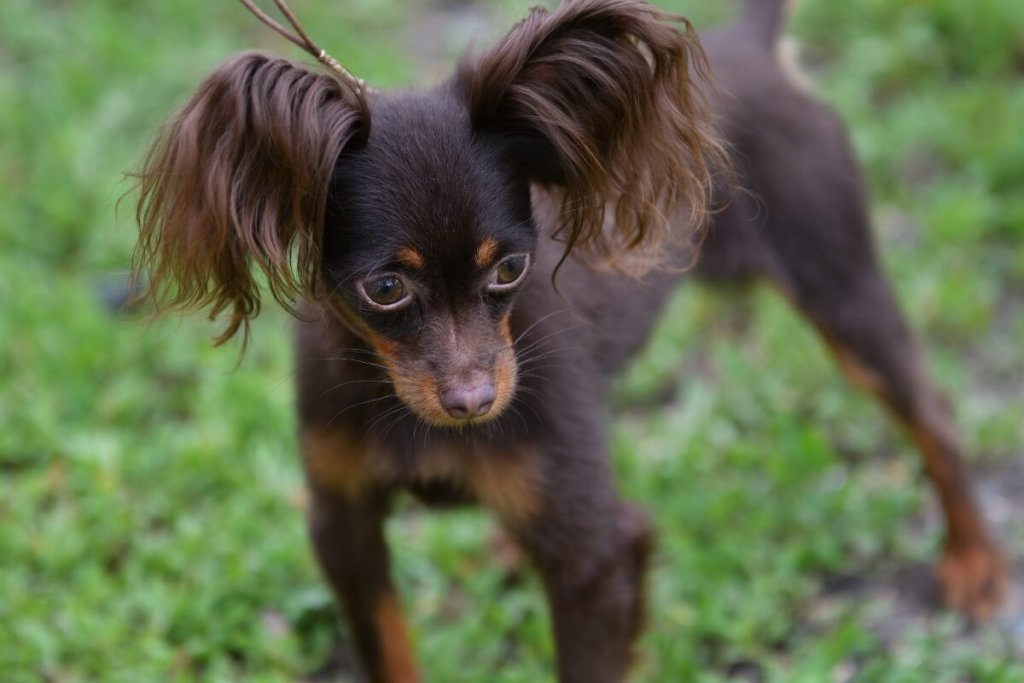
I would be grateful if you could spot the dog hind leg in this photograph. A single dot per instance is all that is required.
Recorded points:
(855, 311)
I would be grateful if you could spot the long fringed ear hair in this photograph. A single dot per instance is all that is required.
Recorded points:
(599, 98)
(240, 176)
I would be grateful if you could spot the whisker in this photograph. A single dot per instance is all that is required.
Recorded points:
(537, 342)
(535, 373)
(536, 322)
(529, 406)
(353, 381)
(387, 429)
(553, 333)
(387, 413)
(526, 359)
(360, 361)
(356, 405)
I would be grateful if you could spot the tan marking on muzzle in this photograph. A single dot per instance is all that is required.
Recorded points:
(421, 391)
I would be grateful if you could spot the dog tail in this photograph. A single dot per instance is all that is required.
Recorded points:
(766, 18)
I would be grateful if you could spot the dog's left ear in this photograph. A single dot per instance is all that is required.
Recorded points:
(237, 183)
(599, 98)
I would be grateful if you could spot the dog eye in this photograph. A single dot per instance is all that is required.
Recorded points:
(508, 272)
(387, 292)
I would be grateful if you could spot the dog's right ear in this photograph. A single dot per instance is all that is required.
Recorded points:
(601, 99)
(240, 176)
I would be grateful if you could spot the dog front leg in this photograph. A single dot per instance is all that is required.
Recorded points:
(592, 556)
(346, 526)
(348, 538)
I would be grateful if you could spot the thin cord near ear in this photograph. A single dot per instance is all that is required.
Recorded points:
(303, 40)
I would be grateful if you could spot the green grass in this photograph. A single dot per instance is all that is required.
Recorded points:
(150, 500)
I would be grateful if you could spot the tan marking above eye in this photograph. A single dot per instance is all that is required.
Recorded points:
(408, 256)
(486, 252)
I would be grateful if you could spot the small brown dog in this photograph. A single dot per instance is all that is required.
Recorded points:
(457, 247)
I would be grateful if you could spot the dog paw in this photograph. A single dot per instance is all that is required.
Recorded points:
(973, 579)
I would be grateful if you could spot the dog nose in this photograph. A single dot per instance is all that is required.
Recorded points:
(467, 402)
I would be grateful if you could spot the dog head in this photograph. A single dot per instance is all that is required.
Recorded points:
(409, 214)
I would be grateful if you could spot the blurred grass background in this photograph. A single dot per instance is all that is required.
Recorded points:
(150, 500)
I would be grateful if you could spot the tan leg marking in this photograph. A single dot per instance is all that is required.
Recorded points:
(856, 372)
(972, 571)
(397, 662)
